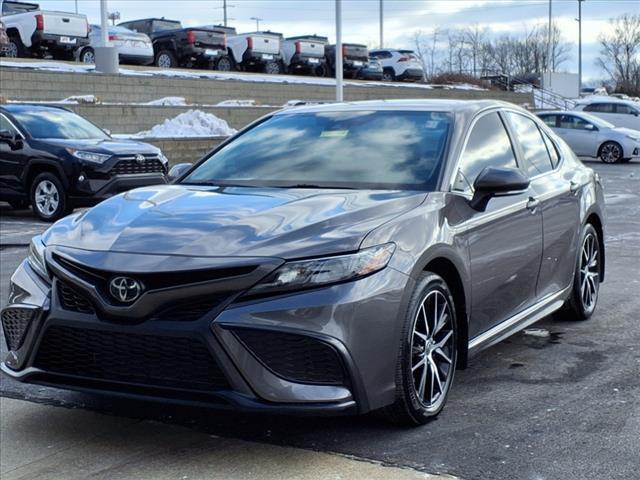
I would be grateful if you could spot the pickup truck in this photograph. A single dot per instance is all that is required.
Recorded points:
(175, 46)
(36, 33)
(304, 54)
(354, 58)
(256, 51)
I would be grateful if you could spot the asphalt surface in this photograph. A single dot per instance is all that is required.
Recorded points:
(560, 402)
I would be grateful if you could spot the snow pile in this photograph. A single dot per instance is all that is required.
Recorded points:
(194, 123)
(168, 102)
(236, 103)
(75, 99)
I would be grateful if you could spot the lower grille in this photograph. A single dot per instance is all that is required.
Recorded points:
(132, 167)
(297, 358)
(72, 300)
(15, 323)
(174, 362)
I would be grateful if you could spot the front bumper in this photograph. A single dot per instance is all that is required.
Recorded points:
(353, 324)
(93, 190)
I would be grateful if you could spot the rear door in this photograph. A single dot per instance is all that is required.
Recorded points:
(558, 191)
(577, 133)
(505, 240)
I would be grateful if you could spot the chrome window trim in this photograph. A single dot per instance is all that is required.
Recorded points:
(13, 125)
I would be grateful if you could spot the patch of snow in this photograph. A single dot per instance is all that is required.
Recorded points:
(168, 102)
(75, 99)
(194, 123)
(236, 103)
(537, 332)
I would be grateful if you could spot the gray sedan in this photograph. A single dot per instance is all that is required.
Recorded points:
(338, 258)
(590, 136)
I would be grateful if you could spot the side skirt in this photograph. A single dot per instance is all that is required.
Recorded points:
(536, 312)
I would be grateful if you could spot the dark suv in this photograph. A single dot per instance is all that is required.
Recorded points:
(56, 160)
(175, 46)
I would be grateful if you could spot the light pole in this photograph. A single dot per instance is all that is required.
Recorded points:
(224, 8)
(258, 20)
(381, 24)
(76, 6)
(106, 54)
(338, 62)
(580, 45)
(549, 46)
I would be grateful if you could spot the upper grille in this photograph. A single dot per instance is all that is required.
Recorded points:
(295, 357)
(72, 300)
(132, 167)
(15, 323)
(173, 362)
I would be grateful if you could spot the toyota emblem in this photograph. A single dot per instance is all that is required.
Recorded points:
(125, 289)
(140, 158)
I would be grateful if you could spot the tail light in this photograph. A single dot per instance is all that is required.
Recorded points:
(39, 22)
(249, 43)
(88, 28)
(404, 59)
(344, 51)
(113, 38)
(191, 37)
(298, 47)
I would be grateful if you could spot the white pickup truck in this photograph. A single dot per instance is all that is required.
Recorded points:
(304, 54)
(36, 33)
(257, 51)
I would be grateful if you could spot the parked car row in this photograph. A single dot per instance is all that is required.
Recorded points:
(165, 43)
(55, 160)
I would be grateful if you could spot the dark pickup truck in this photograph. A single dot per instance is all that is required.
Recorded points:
(354, 58)
(174, 46)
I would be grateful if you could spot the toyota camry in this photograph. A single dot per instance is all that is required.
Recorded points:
(330, 259)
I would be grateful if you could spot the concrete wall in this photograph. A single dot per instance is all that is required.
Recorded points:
(25, 84)
(136, 118)
(181, 150)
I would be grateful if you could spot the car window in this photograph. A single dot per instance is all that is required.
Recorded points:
(12, 8)
(552, 150)
(600, 107)
(571, 121)
(355, 149)
(5, 124)
(625, 109)
(549, 120)
(529, 137)
(488, 146)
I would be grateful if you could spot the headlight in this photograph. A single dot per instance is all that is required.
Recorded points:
(36, 257)
(163, 158)
(635, 138)
(317, 272)
(89, 156)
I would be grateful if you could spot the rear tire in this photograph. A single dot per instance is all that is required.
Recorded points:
(610, 152)
(388, 75)
(224, 64)
(272, 68)
(165, 59)
(586, 280)
(427, 354)
(49, 197)
(87, 56)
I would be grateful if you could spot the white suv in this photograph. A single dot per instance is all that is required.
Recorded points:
(622, 113)
(398, 64)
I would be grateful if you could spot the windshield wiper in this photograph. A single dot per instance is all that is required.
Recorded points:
(311, 185)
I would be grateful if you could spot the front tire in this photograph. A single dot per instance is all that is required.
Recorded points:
(610, 152)
(388, 75)
(427, 354)
(586, 281)
(48, 197)
(15, 48)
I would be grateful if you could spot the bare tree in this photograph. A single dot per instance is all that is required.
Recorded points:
(620, 53)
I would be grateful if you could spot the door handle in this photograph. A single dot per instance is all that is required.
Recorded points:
(532, 204)
(574, 187)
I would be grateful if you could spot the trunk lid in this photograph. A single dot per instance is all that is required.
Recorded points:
(356, 52)
(208, 38)
(263, 43)
(65, 24)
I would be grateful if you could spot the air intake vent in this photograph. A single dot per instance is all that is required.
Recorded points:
(15, 323)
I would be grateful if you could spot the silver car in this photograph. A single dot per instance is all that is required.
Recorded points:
(133, 47)
(590, 136)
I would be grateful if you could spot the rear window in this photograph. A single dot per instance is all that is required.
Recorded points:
(161, 25)
(11, 8)
(600, 107)
(355, 149)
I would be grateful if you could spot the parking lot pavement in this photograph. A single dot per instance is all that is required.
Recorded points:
(44, 442)
(562, 401)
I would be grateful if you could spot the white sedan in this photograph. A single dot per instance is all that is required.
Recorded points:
(590, 136)
(133, 47)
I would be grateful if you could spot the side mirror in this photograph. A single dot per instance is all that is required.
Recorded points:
(9, 137)
(178, 170)
(497, 181)
(590, 127)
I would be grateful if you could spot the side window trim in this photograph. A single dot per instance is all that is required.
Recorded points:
(13, 125)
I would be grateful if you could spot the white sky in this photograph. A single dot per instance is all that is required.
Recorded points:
(361, 17)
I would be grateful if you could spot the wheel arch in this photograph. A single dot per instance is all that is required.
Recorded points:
(37, 167)
(611, 141)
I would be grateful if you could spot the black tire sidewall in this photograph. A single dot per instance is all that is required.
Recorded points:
(576, 304)
(426, 283)
(611, 143)
(84, 52)
(62, 195)
(171, 56)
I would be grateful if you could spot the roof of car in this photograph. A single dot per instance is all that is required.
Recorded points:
(603, 99)
(468, 107)
(29, 107)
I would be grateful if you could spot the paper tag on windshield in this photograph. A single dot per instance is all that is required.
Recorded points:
(334, 133)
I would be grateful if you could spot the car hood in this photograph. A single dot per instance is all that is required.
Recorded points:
(627, 131)
(111, 146)
(232, 221)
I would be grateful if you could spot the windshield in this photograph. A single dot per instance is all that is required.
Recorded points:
(59, 124)
(598, 122)
(355, 149)
(160, 25)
